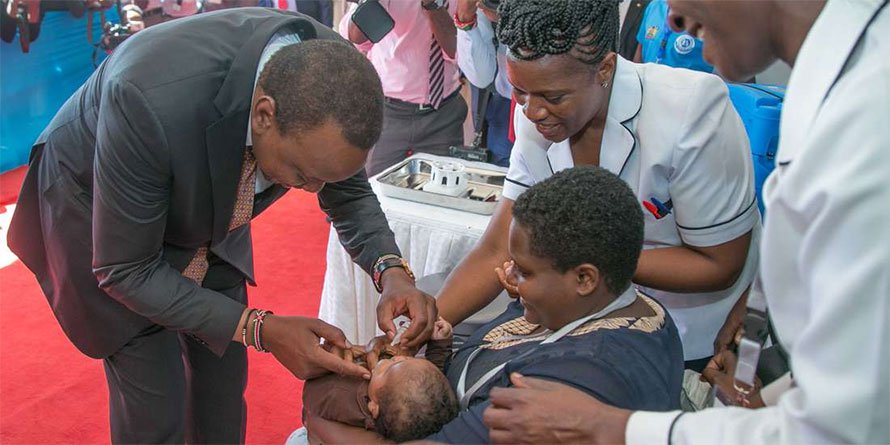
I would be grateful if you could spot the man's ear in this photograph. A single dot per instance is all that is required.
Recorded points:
(589, 279)
(374, 408)
(263, 116)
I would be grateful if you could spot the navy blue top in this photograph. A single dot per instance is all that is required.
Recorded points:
(632, 363)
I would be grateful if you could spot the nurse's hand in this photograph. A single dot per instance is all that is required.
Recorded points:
(401, 297)
(540, 411)
(507, 278)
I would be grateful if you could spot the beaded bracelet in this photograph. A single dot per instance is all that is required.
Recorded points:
(464, 26)
(258, 329)
(244, 329)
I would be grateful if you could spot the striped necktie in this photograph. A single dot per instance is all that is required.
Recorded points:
(437, 72)
(241, 214)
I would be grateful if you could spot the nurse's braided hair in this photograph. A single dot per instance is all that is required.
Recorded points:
(586, 29)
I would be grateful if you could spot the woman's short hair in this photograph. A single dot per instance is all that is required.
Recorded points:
(586, 29)
(584, 215)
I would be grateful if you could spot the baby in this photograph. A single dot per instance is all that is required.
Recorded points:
(406, 399)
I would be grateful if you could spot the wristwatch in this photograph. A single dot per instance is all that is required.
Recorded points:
(432, 5)
(385, 262)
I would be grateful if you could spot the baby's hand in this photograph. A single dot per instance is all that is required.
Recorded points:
(441, 330)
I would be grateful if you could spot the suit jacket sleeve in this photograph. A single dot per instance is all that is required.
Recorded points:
(132, 193)
(360, 223)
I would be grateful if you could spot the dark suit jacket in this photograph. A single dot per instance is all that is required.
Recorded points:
(627, 40)
(139, 169)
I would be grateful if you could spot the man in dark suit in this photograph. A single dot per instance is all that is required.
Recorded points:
(627, 39)
(135, 213)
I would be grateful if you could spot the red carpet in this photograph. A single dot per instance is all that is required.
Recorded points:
(10, 183)
(50, 393)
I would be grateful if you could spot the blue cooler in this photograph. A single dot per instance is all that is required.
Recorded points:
(760, 107)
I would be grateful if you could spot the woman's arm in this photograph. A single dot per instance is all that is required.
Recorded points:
(711, 186)
(329, 432)
(693, 269)
(473, 284)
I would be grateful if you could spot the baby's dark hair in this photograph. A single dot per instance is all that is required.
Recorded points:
(584, 215)
(320, 80)
(414, 408)
(586, 29)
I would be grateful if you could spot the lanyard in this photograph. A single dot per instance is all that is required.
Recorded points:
(623, 301)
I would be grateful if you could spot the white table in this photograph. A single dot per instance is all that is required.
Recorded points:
(433, 239)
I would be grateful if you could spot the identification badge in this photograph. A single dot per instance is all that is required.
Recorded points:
(651, 32)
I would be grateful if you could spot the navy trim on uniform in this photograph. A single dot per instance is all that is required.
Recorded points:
(853, 51)
(753, 201)
(517, 183)
(634, 136)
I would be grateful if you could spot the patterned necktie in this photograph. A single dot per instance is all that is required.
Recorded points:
(197, 268)
(437, 72)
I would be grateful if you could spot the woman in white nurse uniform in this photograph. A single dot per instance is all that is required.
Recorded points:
(671, 134)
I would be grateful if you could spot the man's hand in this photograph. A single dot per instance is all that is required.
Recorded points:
(382, 346)
(296, 343)
(720, 373)
(729, 333)
(540, 411)
(355, 354)
(401, 297)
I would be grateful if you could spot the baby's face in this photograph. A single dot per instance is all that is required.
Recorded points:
(394, 370)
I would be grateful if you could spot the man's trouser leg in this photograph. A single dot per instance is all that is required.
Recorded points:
(407, 128)
(146, 389)
(435, 132)
(166, 387)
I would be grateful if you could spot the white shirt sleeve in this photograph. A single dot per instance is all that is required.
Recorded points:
(826, 274)
(476, 53)
(712, 183)
(518, 178)
(528, 159)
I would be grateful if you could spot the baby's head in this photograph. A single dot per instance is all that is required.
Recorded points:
(410, 398)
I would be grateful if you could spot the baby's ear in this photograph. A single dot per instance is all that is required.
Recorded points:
(374, 408)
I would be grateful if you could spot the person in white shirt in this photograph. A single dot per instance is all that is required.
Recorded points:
(826, 245)
(671, 134)
(484, 62)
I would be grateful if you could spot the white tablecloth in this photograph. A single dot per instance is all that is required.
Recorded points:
(433, 239)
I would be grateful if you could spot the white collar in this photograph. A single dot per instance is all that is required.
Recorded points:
(819, 62)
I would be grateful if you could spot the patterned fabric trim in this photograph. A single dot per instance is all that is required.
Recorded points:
(498, 338)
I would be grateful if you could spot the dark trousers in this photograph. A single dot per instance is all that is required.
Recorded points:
(165, 387)
(406, 129)
(498, 117)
